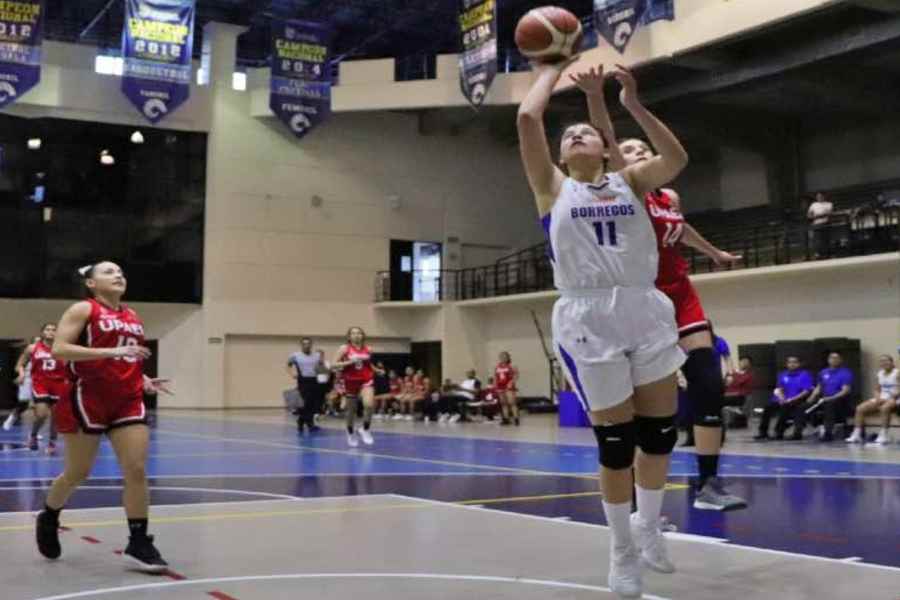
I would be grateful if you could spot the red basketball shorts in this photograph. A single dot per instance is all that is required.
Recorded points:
(689, 313)
(98, 406)
(353, 387)
(49, 391)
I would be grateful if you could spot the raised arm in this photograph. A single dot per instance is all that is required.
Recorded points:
(544, 177)
(20, 363)
(691, 237)
(671, 157)
(71, 325)
(591, 83)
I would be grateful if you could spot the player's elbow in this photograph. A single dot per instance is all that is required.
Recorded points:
(527, 118)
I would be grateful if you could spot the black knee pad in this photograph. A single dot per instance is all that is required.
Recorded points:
(616, 443)
(656, 435)
(706, 390)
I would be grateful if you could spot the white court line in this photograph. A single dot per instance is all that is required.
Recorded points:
(851, 559)
(432, 576)
(482, 473)
(684, 536)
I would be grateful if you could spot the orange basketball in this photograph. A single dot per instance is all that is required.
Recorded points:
(549, 34)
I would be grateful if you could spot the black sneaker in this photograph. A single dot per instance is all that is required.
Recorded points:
(33, 443)
(143, 556)
(517, 422)
(47, 534)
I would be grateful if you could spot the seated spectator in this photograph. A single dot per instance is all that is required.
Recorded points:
(831, 394)
(433, 403)
(421, 391)
(406, 399)
(486, 404)
(383, 396)
(887, 397)
(458, 398)
(739, 383)
(794, 385)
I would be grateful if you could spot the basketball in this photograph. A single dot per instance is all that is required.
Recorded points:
(549, 34)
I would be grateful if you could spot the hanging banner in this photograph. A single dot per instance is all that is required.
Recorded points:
(617, 20)
(157, 47)
(478, 61)
(301, 74)
(659, 10)
(21, 35)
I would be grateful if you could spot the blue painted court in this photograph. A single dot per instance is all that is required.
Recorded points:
(835, 508)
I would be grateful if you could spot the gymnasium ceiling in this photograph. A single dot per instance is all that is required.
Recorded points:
(842, 62)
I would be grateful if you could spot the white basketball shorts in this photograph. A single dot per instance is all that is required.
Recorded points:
(612, 340)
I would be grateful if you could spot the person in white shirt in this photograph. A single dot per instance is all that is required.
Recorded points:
(818, 215)
(887, 392)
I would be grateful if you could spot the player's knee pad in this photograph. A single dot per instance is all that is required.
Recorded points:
(617, 444)
(706, 390)
(656, 435)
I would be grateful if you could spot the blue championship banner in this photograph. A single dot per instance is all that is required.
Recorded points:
(478, 61)
(157, 46)
(301, 74)
(659, 10)
(21, 34)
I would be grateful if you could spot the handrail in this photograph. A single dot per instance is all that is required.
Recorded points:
(781, 244)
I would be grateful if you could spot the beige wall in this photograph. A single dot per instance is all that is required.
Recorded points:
(855, 298)
(255, 374)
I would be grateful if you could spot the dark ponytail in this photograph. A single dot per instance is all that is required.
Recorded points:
(85, 273)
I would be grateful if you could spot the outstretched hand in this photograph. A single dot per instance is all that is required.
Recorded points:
(724, 258)
(629, 94)
(590, 82)
(154, 386)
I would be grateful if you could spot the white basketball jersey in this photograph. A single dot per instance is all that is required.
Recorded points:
(889, 382)
(600, 237)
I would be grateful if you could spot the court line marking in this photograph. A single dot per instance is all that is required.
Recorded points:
(296, 475)
(439, 434)
(60, 457)
(675, 536)
(427, 576)
(272, 497)
(359, 453)
(152, 507)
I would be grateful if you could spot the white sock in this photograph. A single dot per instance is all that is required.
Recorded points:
(649, 504)
(618, 516)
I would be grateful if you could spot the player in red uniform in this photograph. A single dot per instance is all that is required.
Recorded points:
(48, 382)
(103, 342)
(505, 377)
(702, 370)
(354, 360)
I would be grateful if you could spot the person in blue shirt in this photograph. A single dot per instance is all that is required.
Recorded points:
(831, 395)
(788, 401)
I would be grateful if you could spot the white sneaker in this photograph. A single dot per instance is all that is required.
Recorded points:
(652, 543)
(855, 437)
(454, 418)
(8, 423)
(444, 417)
(398, 417)
(378, 416)
(352, 440)
(366, 436)
(883, 438)
(820, 431)
(625, 573)
(407, 417)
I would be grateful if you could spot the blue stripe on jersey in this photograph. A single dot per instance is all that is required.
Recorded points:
(545, 224)
(573, 371)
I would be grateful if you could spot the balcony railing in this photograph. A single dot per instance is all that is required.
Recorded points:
(530, 270)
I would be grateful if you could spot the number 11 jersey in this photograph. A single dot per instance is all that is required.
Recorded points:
(600, 237)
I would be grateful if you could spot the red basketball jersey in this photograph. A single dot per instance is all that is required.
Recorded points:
(503, 375)
(361, 369)
(668, 224)
(44, 366)
(109, 328)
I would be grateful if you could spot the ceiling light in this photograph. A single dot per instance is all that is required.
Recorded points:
(106, 158)
(34, 144)
(137, 137)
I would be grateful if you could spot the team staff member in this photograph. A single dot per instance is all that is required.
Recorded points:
(831, 393)
(794, 385)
